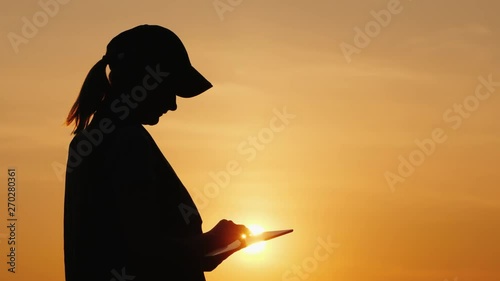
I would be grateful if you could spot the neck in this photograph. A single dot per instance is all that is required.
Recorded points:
(117, 115)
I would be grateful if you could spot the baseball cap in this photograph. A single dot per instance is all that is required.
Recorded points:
(145, 44)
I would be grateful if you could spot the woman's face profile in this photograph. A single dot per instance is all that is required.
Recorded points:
(158, 101)
(149, 96)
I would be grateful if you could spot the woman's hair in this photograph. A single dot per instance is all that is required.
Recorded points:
(124, 72)
(94, 89)
(97, 87)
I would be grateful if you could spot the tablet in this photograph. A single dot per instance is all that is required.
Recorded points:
(247, 241)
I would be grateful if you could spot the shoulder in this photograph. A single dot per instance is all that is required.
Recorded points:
(129, 144)
(130, 137)
(130, 133)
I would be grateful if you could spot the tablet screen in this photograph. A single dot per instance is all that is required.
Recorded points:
(244, 242)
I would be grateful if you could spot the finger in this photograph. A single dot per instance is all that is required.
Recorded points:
(243, 229)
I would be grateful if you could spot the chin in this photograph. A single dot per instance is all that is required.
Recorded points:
(151, 121)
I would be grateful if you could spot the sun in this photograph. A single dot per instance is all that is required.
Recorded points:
(257, 247)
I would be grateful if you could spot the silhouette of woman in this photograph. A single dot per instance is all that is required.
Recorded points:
(127, 216)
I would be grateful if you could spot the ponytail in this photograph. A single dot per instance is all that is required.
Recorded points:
(93, 91)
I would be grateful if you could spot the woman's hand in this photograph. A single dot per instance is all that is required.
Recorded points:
(223, 234)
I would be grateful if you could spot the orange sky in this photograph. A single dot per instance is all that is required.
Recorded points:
(323, 173)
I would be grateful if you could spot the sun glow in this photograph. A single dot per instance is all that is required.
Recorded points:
(257, 247)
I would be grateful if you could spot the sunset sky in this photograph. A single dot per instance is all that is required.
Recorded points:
(376, 122)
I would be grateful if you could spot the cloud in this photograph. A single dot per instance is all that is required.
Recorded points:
(470, 38)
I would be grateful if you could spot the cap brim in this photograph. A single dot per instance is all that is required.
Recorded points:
(191, 83)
